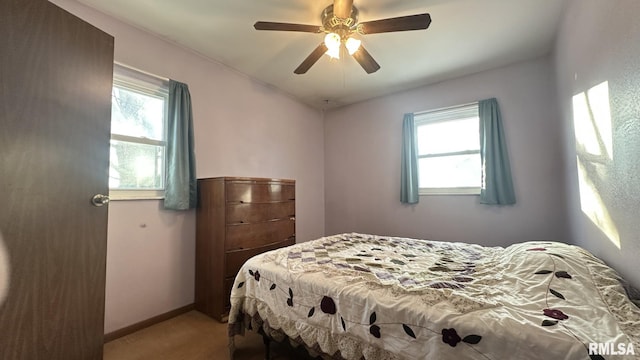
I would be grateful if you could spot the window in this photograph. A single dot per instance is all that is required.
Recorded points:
(449, 150)
(138, 135)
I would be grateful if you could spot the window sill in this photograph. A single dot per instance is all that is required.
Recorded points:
(126, 195)
(450, 191)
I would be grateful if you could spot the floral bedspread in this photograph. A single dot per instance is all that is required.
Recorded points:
(364, 296)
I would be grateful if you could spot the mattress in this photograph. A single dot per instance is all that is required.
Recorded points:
(357, 296)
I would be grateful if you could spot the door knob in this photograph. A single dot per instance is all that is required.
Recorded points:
(99, 200)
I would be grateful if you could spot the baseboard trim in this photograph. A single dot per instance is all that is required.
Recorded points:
(146, 323)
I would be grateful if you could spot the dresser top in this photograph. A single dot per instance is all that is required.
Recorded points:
(248, 179)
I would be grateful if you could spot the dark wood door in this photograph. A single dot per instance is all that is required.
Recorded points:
(55, 85)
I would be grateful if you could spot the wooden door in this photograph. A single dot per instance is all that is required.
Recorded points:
(55, 95)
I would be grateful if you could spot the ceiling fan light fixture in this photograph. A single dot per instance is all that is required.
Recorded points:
(333, 53)
(333, 41)
(352, 45)
(340, 26)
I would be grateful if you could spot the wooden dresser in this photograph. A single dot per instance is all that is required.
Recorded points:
(236, 219)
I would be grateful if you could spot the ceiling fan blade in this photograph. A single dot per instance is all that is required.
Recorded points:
(342, 8)
(365, 60)
(311, 59)
(403, 23)
(277, 26)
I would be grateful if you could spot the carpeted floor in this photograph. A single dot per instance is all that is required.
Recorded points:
(193, 336)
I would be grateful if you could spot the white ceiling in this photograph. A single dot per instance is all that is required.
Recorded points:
(465, 36)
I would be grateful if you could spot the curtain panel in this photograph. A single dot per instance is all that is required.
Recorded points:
(409, 168)
(180, 186)
(497, 184)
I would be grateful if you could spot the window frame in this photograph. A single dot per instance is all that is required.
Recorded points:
(147, 84)
(443, 115)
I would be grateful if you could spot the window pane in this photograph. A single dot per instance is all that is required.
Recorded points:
(137, 114)
(136, 166)
(449, 136)
(450, 171)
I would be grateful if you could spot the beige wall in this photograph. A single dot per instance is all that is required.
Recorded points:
(599, 43)
(242, 128)
(362, 163)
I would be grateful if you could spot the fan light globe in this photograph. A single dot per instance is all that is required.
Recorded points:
(332, 41)
(334, 53)
(352, 45)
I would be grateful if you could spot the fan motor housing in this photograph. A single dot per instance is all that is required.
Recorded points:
(331, 23)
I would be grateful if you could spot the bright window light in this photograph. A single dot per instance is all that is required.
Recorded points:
(594, 148)
(138, 135)
(592, 205)
(592, 121)
(449, 150)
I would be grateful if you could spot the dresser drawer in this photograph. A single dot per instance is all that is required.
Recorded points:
(236, 258)
(252, 212)
(259, 192)
(248, 236)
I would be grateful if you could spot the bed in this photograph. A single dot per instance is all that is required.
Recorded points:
(354, 296)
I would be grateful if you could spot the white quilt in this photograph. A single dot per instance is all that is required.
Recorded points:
(377, 297)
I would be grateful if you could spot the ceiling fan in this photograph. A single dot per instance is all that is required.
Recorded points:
(340, 23)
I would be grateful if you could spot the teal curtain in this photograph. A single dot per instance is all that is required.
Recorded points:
(409, 167)
(497, 185)
(180, 188)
